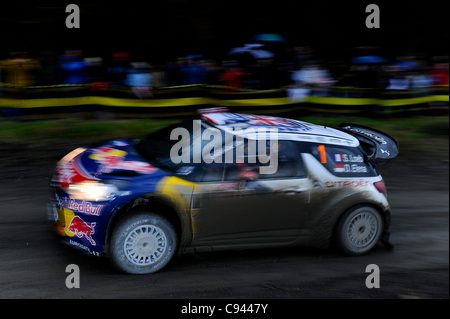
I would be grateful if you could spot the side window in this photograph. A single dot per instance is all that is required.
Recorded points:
(290, 163)
(342, 161)
(189, 172)
(286, 162)
(210, 154)
(212, 172)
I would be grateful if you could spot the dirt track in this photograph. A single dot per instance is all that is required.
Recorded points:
(33, 262)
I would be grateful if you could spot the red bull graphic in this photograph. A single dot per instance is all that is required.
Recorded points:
(113, 159)
(84, 207)
(108, 157)
(80, 228)
(70, 172)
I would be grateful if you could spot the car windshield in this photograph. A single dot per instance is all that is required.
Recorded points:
(156, 147)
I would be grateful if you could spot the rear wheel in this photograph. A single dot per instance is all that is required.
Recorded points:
(143, 243)
(359, 230)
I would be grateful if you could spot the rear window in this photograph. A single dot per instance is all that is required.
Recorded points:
(342, 161)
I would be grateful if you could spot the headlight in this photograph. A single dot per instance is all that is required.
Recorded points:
(92, 191)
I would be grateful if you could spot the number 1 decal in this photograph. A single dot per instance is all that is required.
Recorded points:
(323, 154)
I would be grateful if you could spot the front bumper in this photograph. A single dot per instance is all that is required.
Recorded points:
(79, 223)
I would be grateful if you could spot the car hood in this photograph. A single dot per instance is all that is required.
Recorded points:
(115, 158)
(112, 160)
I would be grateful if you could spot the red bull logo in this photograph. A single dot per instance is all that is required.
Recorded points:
(84, 207)
(107, 156)
(112, 159)
(70, 172)
(80, 228)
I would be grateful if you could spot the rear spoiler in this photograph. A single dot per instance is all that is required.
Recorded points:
(379, 147)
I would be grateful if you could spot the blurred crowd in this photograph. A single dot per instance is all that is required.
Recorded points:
(298, 66)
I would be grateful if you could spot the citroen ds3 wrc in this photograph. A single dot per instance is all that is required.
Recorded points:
(141, 201)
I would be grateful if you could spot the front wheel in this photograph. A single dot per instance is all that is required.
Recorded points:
(359, 230)
(143, 243)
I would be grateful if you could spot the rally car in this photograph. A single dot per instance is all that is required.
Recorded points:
(223, 180)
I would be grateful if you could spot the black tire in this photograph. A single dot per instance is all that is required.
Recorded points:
(359, 230)
(143, 243)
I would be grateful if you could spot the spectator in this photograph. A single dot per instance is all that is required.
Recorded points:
(439, 73)
(398, 80)
(94, 69)
(193, 72)
(300, 55)
(212, 72)
(173, 71)
(232, 75)
(119, 68)
(158, 77)
(20, 70)
(140, 80)
(50, 72)
(420, 79)
(266, 74)
(311, 74)
(75, 69)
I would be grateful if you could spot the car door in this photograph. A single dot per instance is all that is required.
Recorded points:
(235, 204)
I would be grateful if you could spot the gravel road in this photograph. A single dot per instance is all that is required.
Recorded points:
(33, 262)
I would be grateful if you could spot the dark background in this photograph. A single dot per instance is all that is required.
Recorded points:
(165, 29)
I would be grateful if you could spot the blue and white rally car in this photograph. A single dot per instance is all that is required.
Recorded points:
(224, 181)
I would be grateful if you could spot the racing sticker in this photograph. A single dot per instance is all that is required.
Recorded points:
(68, 224)
(80, 228)
(113, 159)
(84, 207)
(257, 120)
(347, 183)
(280, 123)
(70, 172)
(348, 158)
(349, 168)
